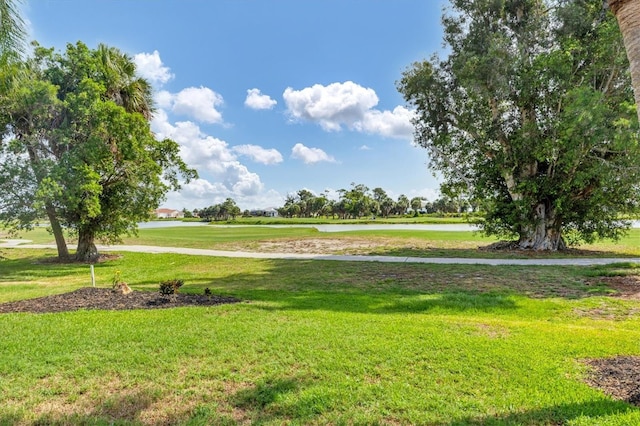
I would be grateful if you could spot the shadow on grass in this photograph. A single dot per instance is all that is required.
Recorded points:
(571, 282)
(403, 287)
(31, 267)
(480, 253)
(269, 401)
(376, 287)
(387, 304)
(555, 415)
(273, 401)
(263, 393)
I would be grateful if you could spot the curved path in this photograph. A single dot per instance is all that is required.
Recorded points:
(400, 259)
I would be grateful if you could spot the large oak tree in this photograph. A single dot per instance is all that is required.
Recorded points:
(532, 115)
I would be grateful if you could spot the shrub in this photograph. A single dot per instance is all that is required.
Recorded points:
(170, 286)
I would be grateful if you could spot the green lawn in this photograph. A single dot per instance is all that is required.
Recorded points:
(316, 342)
(379, 242)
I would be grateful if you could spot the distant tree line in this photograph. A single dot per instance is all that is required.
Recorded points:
(223, 211)
(356, 202)
(359, 201)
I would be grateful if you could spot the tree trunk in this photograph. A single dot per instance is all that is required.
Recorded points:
(87, 250)
(627, 13)
(545, 235)
(56, 229)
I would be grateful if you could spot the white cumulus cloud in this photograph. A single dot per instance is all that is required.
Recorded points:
(164, 99)
(331, 106)
(240, 180)
(201, 193)
(199, 103)
(203, 189)
(256, 100)
(149, 66)
(310, 155)
(347, 105)
(259, 154)
(210, 156)
(160, 124)
(393, 124)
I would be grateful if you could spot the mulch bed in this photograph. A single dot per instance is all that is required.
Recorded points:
(107, 299)
(618, 377)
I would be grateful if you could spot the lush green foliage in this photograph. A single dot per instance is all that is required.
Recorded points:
(398, 219)
(360, 202)
(532, 114)
(317, 343)
(228, 210)
(77, 146)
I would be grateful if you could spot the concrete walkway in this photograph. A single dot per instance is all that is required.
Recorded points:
(307, 256)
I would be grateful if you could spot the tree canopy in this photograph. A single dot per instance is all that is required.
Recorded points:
(222, 211)
(77, 147)
(532, 115)
(359, 201)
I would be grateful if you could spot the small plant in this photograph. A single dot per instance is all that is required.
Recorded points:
(117, 279)
(207, 291)
(118, 285)
(170, 286)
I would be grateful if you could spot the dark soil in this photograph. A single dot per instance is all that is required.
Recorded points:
(107, 299)
(618, 377)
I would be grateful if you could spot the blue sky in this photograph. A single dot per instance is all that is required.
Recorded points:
(267, 97)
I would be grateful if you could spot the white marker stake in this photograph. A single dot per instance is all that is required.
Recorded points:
(93, 277)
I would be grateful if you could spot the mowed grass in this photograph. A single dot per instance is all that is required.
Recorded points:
(316, 342)
(380, 242)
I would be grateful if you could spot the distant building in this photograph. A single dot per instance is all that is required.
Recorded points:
(168, 214)
(269, 212)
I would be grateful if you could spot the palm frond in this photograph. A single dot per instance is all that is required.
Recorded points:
(12, 29)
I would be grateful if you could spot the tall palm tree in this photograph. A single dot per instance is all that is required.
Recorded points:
(12, 30)
(627, 13)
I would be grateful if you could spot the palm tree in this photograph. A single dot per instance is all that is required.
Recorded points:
(12, 30)
(124, 87)
(627, 13)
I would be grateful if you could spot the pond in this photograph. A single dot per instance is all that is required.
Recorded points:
(457, 227)
(322, 228)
